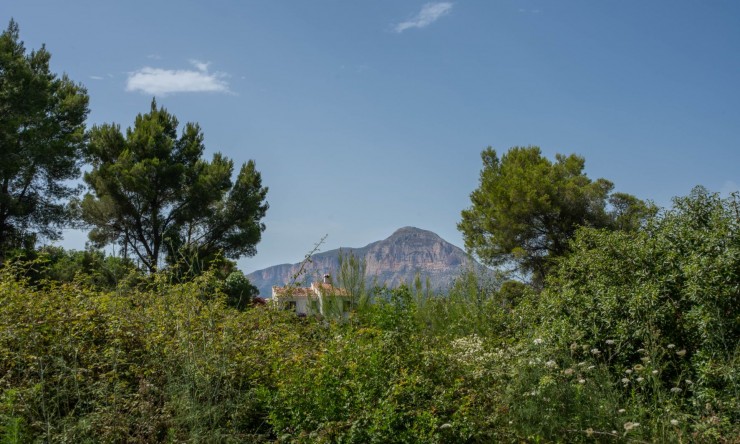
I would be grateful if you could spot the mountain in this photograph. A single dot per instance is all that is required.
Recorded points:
(392, 261)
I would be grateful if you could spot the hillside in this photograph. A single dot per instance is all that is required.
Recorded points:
(394, 260)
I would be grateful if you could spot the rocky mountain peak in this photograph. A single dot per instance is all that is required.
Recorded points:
(407, 234)
(392, 261)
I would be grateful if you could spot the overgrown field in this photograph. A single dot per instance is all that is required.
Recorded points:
(634, 339)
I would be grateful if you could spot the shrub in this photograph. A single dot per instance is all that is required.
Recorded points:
(666, 297)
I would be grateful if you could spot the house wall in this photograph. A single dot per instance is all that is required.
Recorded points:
(326, 305)
(301, 307)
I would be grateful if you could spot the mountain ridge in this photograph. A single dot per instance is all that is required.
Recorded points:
(391, 261)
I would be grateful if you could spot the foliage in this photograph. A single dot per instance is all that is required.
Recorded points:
(351, 277)
(633, 340)
(153, 193)
(526, 208)
(168, 362)
(239, 291)
(41, 136)
(665, 298)
(92, 267)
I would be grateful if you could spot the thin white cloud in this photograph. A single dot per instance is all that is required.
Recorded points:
(96, 77)
(161, 82)
(430, 13)
(201, 66)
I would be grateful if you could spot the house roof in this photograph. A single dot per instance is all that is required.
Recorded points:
(293, 292)
(328, 289)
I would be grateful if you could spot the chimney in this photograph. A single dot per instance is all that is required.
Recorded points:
(327, 279)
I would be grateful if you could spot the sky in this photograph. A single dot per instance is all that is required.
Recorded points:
(367, 116)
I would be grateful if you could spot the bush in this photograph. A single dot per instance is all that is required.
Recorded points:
(663, 300)
(171, 361)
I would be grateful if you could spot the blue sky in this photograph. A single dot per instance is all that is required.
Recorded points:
(366, 116)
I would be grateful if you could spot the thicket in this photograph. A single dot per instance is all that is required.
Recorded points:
(634, 339)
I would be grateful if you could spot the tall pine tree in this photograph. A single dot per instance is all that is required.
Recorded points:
(527, 208)
(152, 193)
(42, 133)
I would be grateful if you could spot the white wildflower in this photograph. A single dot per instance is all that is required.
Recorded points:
(469, 350)
(674, 422)
(610, 342)
(628, 371)
(621, 411)
(670, 346)
(676, 390)
(640, 379)
(581, 381)
(631, 425)
(655, 372)
(538, 341)
(680, 353)
(551, 364)
(595, 351)
(625, 381)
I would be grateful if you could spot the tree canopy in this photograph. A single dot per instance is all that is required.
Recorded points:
(152, 193)
(527, 208)
(42, 133)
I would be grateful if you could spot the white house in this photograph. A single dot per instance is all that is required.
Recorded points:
(320, 298)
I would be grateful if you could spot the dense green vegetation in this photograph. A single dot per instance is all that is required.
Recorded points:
(635, 338)
(527, 208)
(624, 328)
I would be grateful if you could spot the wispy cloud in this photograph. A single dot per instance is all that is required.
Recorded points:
(200, 66)
(430, 13)
(96, 77)
(161, 82)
